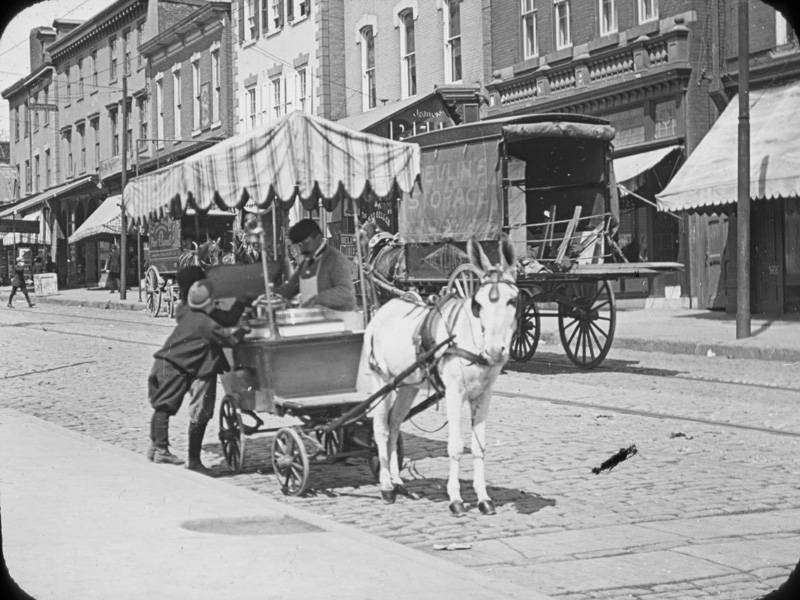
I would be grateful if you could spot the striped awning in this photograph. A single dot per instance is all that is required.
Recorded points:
(300, 157)
(105, 219)
(18, 238)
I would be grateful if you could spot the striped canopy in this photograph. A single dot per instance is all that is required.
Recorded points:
(300, 157)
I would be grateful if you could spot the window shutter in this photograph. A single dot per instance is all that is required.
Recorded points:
(257, 15)
(280, 14)
(290, 10)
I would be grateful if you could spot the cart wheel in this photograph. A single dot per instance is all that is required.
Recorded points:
(290, 461)
(586, 322)
(464, 280)
(529, 327)
(231, 434)
(375, 463)
(152, 290)
(332, 442)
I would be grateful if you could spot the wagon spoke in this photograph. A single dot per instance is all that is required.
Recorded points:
(595, 326)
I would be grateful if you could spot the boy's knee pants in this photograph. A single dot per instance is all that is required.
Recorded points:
(202, 397)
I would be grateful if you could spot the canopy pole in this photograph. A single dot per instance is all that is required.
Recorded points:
(273, 331)
(365, 316)
(743, 181)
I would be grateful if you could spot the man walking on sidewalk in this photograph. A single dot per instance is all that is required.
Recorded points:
(18, 283)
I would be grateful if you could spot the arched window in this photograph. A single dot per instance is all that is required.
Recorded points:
(368, 91)
(408, 57)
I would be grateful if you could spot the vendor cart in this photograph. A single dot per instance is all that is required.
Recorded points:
(294, 362)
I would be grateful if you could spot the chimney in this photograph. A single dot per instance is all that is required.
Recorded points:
(39, 39)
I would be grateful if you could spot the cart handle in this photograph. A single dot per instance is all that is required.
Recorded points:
(362, 407)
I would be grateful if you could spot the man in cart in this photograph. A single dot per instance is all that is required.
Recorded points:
(324, 276)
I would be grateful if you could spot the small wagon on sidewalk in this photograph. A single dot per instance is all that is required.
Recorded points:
(547, 181)
(294, 362)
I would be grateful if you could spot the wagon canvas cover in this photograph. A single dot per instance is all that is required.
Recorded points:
(300, 157)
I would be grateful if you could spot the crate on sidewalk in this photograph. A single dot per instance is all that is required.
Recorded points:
(45, 284)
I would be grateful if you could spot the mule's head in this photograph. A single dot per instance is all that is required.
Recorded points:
(494, 302)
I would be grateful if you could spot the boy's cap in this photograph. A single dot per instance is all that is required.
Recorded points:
(199, 296)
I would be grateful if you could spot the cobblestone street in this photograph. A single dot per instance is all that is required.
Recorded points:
(716, 475)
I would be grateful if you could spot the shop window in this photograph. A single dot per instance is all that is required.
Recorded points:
(665, 122)
(529, 44)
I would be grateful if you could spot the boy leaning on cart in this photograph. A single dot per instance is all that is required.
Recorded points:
(188, 362)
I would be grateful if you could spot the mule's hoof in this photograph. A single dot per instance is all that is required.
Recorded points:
(404, 491)
(389, 496)
(457, 508)
(486, 507)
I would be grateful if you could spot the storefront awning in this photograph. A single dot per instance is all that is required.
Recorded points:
(18, 238)
(104, 220)
(630, 170)
(38, 199)
(709, 175)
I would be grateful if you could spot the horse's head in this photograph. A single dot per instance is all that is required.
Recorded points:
(494, 302)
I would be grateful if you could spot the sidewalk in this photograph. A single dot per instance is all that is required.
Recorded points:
(83, 519)
(678, 331)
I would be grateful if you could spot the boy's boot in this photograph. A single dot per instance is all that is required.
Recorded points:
(160, 428)
(196, 433)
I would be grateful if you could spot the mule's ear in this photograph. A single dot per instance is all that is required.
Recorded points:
(508, 257)
(477, 256)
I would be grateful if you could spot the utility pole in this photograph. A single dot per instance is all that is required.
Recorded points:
(123, 221)
(743, 180)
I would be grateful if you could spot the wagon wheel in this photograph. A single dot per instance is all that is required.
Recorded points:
(375, 463)
(290, 461)
(586, 322)
(152, 290)
(525, 338)
(231, 434)
(464, 280)
(332, 442)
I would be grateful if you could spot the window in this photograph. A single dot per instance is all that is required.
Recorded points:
(452, 41)
(26, 115)
(93, 61)
(265, 16)
(68, 153)
(250, 16)
(129, 128)
(37, 182)
(81, 91)
(160, 111)
(112, 58)
(296, 9)
(36, 113)
(276, 98)
(82, 139)
(608, 17)
(250, 102)
(275, 14)
(665, 120)
(408, 67)
(126, 52)
(648, 10)
(16, 124)
(784, 34)
(302, 8)
(47, 168)
(563, 35)
(529, 44)
(113, 117)
(142, 103)
(139, 37)
(27, 176)
(302, 89)
(68, 86)
(216, 91)
(95, 125)
(369, 96)
(196, 95)
(46, 112)
(176, 104)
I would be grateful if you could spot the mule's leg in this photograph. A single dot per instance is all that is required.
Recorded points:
(480, 411)
(380, 431)
(403, 400)
(455, 448)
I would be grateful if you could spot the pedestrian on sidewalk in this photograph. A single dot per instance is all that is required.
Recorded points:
(189, 362)
(18, 283)
(113, 267)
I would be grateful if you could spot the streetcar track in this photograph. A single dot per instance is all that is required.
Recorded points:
(646, 413)
(103, 337)
(39, 371)
(151, 322)
(651, 372)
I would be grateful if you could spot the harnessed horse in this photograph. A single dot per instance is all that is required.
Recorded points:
(481, 327)
(207, 253)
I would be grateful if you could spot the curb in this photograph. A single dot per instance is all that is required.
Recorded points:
(719, 349)
(110, 304)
